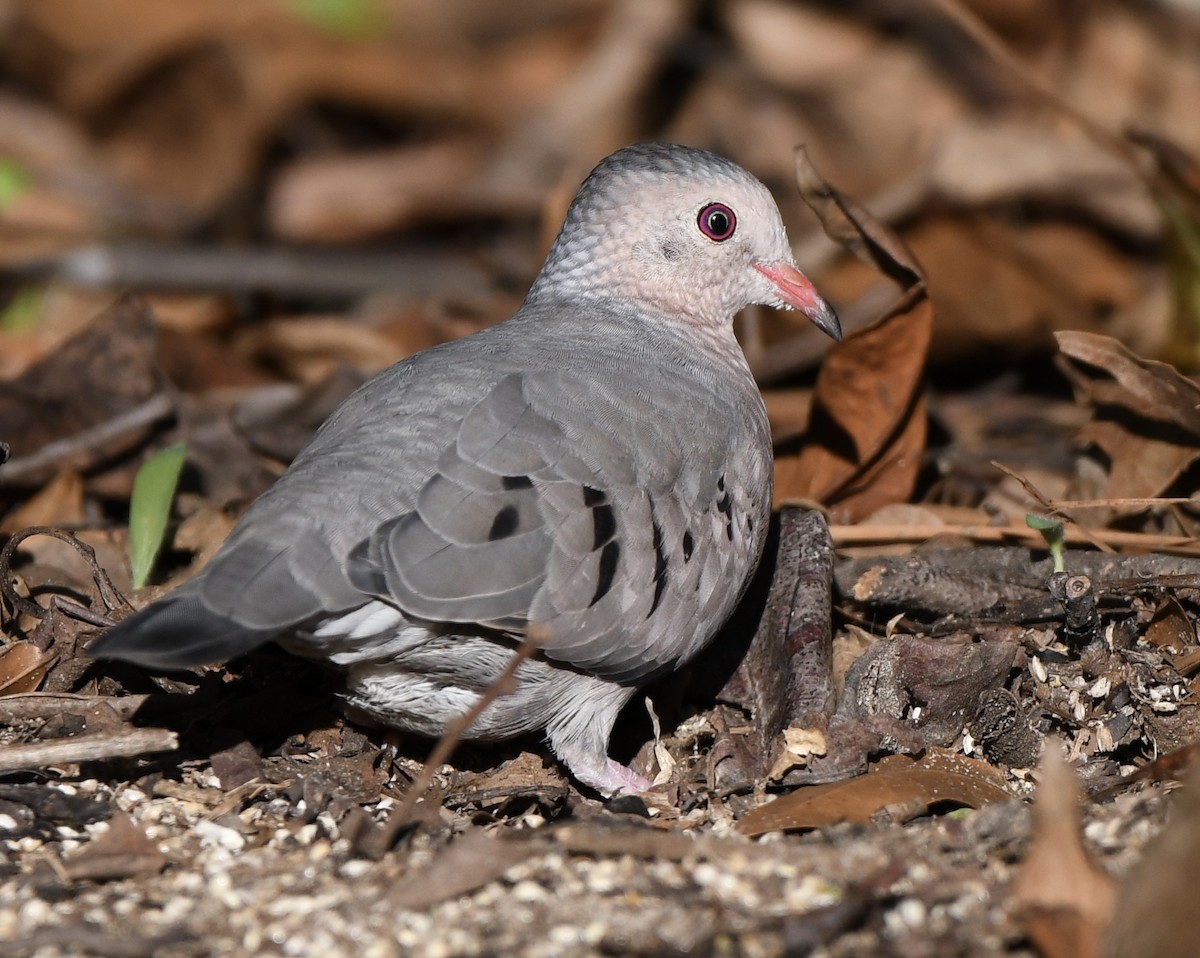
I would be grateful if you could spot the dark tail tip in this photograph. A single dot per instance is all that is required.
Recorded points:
(176, 633)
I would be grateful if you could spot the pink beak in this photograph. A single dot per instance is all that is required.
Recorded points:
(795, 289)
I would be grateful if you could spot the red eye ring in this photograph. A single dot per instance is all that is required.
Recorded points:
(717, 221)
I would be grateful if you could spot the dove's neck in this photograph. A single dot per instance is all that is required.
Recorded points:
(646, 321)
(700, 311)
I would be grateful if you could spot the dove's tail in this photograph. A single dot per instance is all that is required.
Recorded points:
(177, 632)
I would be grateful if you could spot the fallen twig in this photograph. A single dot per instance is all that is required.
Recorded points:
(73, 450)
(87, 748)
(852, 535)
(376, 845)
(34, 705)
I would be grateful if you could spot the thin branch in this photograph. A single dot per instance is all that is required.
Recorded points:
(33, 705)
(80, 448)
(87, 748)
(382, 840)
(844, 536)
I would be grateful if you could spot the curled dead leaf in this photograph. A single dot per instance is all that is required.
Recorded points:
(939, 777)
(22, 667)
(1064, 898)
(866, 436)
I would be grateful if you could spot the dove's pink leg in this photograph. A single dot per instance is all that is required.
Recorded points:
(587, 708)
(612, 778)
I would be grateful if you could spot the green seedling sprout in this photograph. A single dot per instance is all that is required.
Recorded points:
(1054, 534)
(150, 508)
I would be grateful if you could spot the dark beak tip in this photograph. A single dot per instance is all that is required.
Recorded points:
(827, 321)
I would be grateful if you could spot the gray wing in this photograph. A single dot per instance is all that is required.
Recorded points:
(565, 504)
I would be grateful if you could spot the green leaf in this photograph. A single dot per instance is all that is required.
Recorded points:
(150, 507)
(15, 182)
(23, 311)
(349, 19)
(1053, 532)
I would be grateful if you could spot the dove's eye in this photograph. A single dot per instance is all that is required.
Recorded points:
(717, 222)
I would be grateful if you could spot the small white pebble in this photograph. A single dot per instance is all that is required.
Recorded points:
(909, 913)
(528, 891)
(1037, 669)
(35, 912)
(177, 909)
(306, 834)
(7, 823)
(1100, 687)
(436, 949)
(706, 873)
(129, 797)
(212, 835)
(564, 935)
(355, 868)
(594, 932)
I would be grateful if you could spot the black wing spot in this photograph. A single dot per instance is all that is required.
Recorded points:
(749, 523)
(688, 545)
(660, 568)
(365, 573)
(607, 571)
(721, 483)
(505, 523)
(516, 482)
(725, 507)
(593, 497)
(604, 525)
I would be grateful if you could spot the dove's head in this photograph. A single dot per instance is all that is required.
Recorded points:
(683, 233)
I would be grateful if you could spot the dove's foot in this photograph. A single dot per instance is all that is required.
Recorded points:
(610, 778)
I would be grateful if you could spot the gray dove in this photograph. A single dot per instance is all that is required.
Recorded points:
(598, 467)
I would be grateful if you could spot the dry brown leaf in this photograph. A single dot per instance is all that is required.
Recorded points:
(1146, 388)
(940, 776)
(856, 229)
(1147, 415)
(892, 477)
(1064, 898)
(1008, 158)
(469, 863)
(311, 348)
(22, 668)
(348, 198)
(123, 851)
(787, 411)
(1155, 912)
(1170, 627)
(1140, 465)
(58, 503)
(1172, 766)
(797, 46)
(85, 399)
(866, 434)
